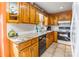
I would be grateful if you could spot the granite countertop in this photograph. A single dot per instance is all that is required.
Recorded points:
(25, 37)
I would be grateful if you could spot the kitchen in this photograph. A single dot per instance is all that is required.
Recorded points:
(32, 27)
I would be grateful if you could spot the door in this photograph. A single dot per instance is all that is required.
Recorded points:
(56, 20)
(35, 50)
(52, 20)
(32, 14)
(26, 52)
(46, 20)
(48, 40)
(13, 12)
(25, 12)
(55, 37)
(37, 20)
(51, 37)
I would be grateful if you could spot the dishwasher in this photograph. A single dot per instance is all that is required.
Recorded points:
(42, 44)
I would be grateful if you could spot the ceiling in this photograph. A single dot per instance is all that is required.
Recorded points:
(54, 7)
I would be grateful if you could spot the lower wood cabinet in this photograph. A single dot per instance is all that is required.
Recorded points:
(31, 51)
(34, 50)
(49, 39)
(25, 49)
(25, 52)
(55, 36)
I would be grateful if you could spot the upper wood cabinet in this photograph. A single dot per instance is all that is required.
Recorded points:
(32, 14)
(37, 20)
(13, 12)
(24, 12)
(46, 22)
(67, 15)
(55, 21)
(51, 20)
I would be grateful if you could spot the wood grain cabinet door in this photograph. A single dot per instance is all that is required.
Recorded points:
(34, 50)
(48, 40)
(55, 37)
(56, 20)
(32, 14)
(25, 52)
(25, 12)
(37, 20)
(13, 12)
(46, 20)
(52, 20)
(51, 37)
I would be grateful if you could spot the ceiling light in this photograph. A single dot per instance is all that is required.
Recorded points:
(61, 7)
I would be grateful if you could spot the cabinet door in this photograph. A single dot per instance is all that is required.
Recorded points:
(56, 20)
(26, 52)
(52, 20)
(45, 20)
(55, 36)
(21, 12)
(37, 20)
(51, 37)
(13, 12)
(35, 50)
(25, 12)
(69, 16)
(48, 40)
(32, 14)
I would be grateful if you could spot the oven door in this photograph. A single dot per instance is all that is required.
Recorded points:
(64, 36)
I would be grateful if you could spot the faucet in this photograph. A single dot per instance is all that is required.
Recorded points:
(36, 28)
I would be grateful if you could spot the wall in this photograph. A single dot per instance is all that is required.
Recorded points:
(4, 49)
(21, 28)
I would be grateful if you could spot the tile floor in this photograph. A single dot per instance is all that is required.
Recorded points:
(58, 50)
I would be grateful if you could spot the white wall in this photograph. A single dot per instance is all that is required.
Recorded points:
(21, 28)
(54, 28)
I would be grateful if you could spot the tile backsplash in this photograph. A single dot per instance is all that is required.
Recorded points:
(21, 28)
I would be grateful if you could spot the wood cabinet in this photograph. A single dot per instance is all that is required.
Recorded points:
(24, 12)
(49, 39)
(32, 14)
(24, 45)
(34, 50)
(55, 20)
(25, 52)
(55, 36)
(26, 49)
(64, 16)
(51, 36)
(51, 20)
(46, 22)
(37, 20)
(13, 12)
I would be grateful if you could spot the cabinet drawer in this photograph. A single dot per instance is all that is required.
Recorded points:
(34, 40)
(24, 45)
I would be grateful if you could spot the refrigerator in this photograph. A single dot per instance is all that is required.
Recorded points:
(74, 33)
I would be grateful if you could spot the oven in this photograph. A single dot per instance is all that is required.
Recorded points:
(42, 44)
(64, 30)
(65, 36)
